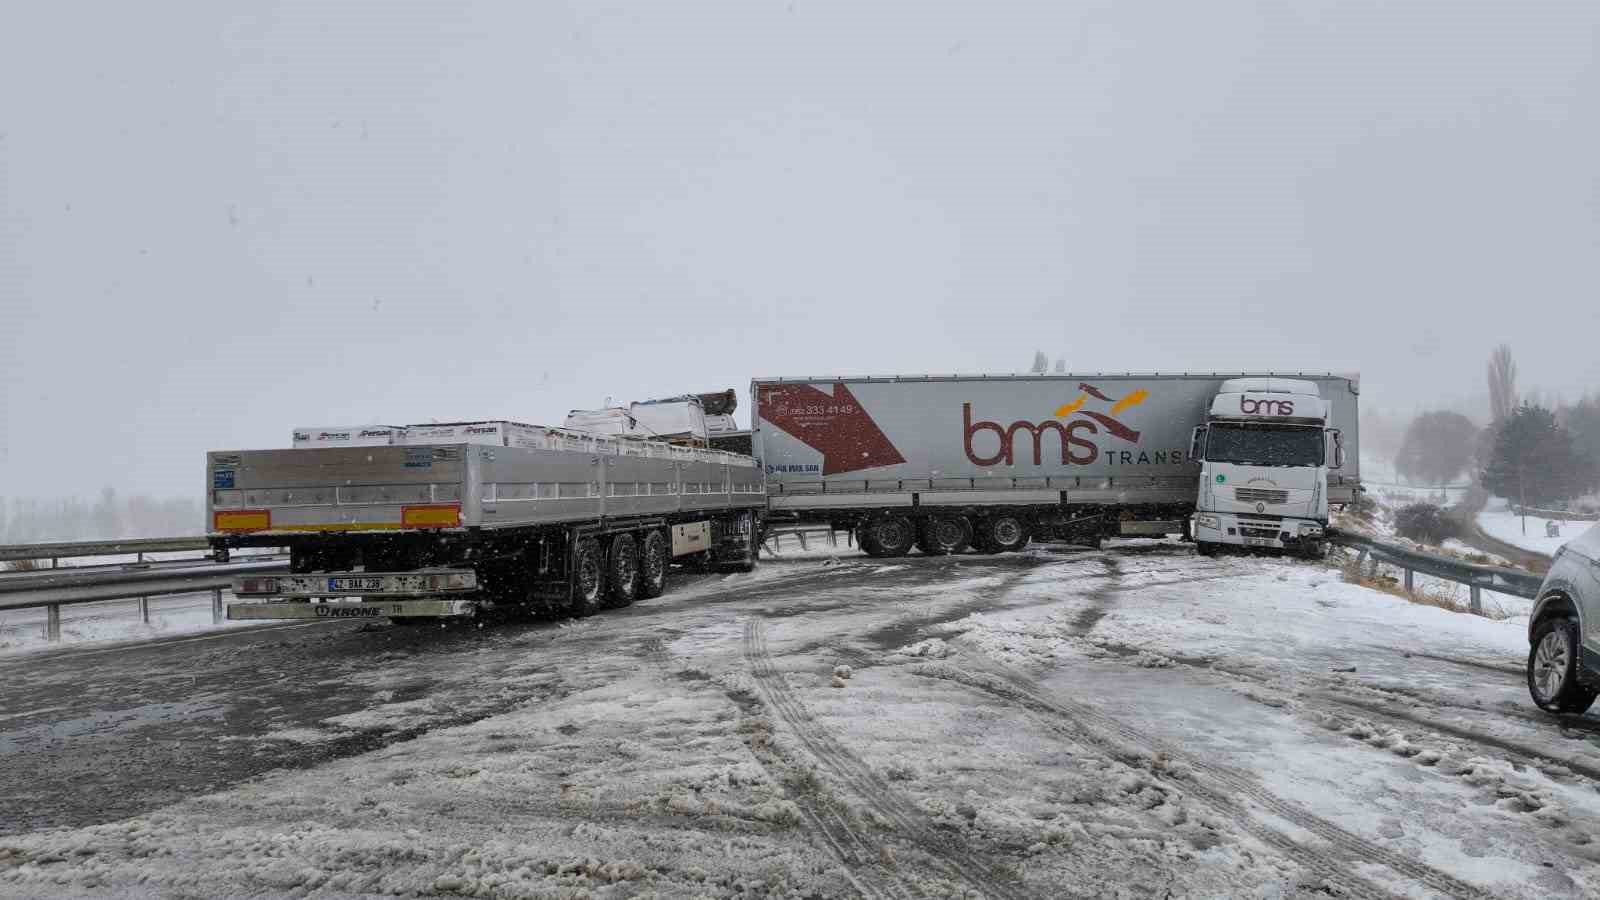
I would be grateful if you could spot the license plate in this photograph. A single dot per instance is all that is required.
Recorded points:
(355, 584)
(1259, 542)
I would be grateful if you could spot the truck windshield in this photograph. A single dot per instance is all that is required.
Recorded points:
(1264, 445)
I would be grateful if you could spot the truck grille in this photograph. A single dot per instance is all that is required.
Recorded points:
(1260, 495)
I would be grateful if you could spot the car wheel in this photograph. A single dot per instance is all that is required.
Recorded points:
(1207, 548)
(1553, 668)
(1003, 533)
(888, 536)
(588, 577)
(653, 565)
(622, 571)
(944, 534)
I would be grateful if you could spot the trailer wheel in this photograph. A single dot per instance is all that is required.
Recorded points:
(1003, 533)
(622, 571)
(888, 536)
(588, 577)
(944, 534)
(653, 565)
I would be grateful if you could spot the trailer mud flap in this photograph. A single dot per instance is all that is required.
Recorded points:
(391, 609)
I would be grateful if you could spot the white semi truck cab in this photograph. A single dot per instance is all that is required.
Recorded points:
(1265, 452)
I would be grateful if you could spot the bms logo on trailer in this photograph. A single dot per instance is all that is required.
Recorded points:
(1072, 425)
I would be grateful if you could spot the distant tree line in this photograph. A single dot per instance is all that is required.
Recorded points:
(1529, 452)
(30, 520)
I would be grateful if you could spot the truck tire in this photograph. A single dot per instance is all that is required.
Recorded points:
(1207, 548)
(944, 534)
(888, 536)
(622, 571)
(1003, 533)
(654, 561)
(588, 578)
(1554, 668)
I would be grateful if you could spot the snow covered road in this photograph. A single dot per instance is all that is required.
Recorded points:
(1059, 723)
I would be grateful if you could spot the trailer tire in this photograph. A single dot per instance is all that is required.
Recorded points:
(655, 559)
(941, 535)
(888, 536)
(588, 578)
(1003, 533)
(622, 571)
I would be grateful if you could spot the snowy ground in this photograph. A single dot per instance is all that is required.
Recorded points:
(1500, 523)
(1131, 722)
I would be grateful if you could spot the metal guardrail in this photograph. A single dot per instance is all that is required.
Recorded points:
(772, 541)
(1500, 579)
(64, 586)
(1565, 515)
(136, 546)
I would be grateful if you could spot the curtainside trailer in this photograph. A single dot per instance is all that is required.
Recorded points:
(944, 462)
(479, 519)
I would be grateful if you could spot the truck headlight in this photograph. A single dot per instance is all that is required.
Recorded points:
(1207, 522)
(1308, 529)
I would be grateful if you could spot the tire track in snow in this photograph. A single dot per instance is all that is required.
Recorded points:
(1228, 791)
(860, 863)
(956, 862)
(1323, 700)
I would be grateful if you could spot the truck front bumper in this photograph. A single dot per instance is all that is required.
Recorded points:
(350, 609)
(1256, 531)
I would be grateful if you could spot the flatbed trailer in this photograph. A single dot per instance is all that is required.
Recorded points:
(565, 524)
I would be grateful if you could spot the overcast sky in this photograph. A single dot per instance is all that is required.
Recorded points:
(219, 221)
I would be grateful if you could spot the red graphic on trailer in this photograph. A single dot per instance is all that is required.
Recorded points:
(836, 426)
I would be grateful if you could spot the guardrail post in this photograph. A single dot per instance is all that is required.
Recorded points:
(52, 622)
(218, 613)
(144, 610)
(1410, 585)
(1477, 599)
(802, 536)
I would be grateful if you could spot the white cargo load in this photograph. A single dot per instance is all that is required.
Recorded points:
(349, 436)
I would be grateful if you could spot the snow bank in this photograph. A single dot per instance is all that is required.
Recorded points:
(1500, 523)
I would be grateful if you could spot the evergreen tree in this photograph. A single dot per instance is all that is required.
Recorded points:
(1582, 419)
(1534, 462)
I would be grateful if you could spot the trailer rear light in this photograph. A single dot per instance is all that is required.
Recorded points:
(437, 515)
(242, 520)
(258, 586)
(453, 581)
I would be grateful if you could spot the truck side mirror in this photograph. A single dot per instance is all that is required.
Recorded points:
(1197, 443)
(1338, 448)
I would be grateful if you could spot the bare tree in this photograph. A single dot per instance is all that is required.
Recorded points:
(1041, 363)
(1502, 384)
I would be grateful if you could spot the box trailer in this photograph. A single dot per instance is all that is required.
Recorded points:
(947, 461)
